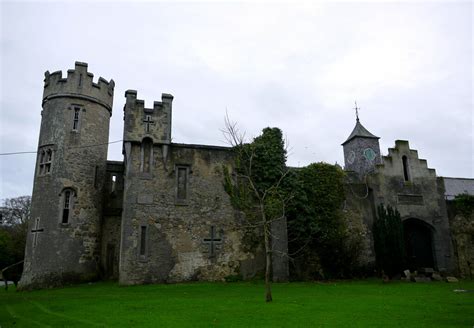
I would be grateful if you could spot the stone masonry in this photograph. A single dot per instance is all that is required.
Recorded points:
(162, 214)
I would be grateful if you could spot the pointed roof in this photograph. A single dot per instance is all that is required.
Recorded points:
(359, 131)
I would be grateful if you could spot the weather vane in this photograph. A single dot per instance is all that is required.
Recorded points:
(357, 111)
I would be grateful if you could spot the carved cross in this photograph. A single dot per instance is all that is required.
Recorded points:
(35, 231)
(212, 242)
(148, 121)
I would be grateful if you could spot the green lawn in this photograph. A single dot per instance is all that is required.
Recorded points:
(366, 303)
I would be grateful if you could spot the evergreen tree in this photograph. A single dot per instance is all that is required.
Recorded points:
(388, 241)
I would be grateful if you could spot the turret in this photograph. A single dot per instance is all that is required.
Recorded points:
(361, 150)
(141, 122)
(63, 235)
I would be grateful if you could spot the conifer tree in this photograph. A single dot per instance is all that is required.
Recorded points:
(388, 241)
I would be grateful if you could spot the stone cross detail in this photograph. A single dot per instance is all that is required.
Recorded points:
(212, 242)
(35, 231)
(147, 122)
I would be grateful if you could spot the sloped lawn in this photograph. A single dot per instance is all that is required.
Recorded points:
(364, 303)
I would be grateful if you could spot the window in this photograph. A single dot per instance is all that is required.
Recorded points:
(406, 173)
(113, 187)
(75, 122)
(67, 202)
(96, 177)
(45, 161)
(146, 155)
(143, 243)
(182, 183)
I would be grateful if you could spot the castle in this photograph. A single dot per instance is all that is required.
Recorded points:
(162, 214)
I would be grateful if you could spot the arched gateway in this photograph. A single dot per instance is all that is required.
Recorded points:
(418, 244)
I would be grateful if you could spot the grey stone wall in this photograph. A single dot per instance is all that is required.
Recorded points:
(178, 231)
(64, 252)
(421, 197)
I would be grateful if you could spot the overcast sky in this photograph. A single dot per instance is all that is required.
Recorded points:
(295, 66)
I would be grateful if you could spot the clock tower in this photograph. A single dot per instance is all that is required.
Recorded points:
(361, 150)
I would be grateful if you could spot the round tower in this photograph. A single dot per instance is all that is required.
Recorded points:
(63, 235)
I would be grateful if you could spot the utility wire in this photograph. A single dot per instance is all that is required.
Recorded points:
(34, 152)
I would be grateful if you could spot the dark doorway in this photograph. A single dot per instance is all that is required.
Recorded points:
(110, 261)
(418, 244)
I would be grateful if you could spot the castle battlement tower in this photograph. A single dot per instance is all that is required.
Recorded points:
(63, 236)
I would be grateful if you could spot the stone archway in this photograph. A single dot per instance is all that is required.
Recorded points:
(418, 244)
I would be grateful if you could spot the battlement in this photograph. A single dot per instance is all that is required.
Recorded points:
(139, 104)
(79, 84)
(140, 122)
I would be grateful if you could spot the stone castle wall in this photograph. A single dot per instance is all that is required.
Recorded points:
(419, 198)
(178, 231)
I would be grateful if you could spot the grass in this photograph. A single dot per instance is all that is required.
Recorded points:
(364, 303)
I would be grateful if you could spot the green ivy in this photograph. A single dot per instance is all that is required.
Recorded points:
(464, 204)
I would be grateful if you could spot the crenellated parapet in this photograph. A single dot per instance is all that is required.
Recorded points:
(141, 122)
(79, 84)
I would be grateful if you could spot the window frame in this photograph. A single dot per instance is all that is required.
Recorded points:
(178, 200)
(45, 160)
(70, 205)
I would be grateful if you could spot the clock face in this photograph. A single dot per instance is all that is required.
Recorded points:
(369, 154)
(351, 157)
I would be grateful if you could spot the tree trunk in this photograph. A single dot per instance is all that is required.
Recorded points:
(268, 263)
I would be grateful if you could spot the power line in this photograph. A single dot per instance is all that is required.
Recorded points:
(35, 152)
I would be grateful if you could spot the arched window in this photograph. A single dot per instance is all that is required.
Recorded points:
(68, 197)
(146, 155)
(406, 171)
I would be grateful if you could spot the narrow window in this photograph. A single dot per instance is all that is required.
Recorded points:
(406, 172)
(80, 79)
(41, 162)
(47, 162)
(67, 206)
(182, 181)
(142, 242)
(147, 155)
(75, 122)
(114, 183)
(96, 176)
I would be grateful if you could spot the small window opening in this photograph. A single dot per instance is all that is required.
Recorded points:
(45, 161)
(113, 187)
(406, 172)
(96, 176)
(75, 123)
(147, 156)
(41, 162)
(142, 241)
(182, 183)
(66, 207)
(80, 79)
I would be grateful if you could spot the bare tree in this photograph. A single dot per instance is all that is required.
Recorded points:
(263, 202)
(16, 211)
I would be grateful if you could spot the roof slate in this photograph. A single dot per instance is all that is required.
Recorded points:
(458, 186)
(360, 131)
